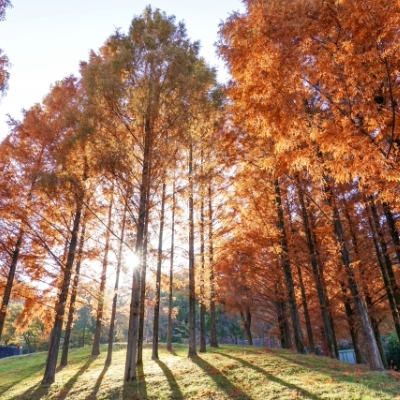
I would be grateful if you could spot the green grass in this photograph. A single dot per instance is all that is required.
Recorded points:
(229, 372)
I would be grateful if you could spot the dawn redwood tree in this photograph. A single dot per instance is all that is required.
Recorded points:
(69, 177)
(153, 70)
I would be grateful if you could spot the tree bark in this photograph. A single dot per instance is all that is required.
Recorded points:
(203, 347)
(306, 312)
(100, 307)
(143, 273)
(55, 336)
(283, 324)
(352, 322)
(246, 319)
(68, 329)
(298, 335)
(382, 265)
(116, 287)
(213, 325)
(373, 356)
(10, 279)
(158, 280)
(192, 294)
(388, 263)
(171, 272)
(327, 326)
(367, 296)
(131, 351)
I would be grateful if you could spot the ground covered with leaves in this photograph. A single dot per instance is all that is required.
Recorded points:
(230, 372)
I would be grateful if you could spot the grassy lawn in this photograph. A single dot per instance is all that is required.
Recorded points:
(229, 372)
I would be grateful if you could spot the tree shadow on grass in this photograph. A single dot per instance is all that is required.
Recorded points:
(222, 382)
(137, 389)
(38, 391)
(71, 382)
(33, 371)
(273, 378)
(176, 392)
(96, 388)
(346, 372)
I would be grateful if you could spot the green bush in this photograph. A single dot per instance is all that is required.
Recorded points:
(393, 351)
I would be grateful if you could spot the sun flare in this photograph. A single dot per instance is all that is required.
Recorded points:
(131, 259)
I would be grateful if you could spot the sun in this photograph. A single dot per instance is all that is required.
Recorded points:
(131, 259)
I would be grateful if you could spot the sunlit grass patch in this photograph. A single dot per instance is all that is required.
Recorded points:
(230, 372)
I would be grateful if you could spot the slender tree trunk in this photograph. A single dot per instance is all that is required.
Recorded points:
(55, 336)
(192, 294)
(283, 324)
(298, 335)
(306, 312)
(143, 273)
(382, 265)
(100, 307)
(171, 273)
(375, 324)
(10, 279)
(131, 351)
(16, 252)
(373, 356)
(68, 329)
(158, 280)
(352, 322)
(203, 347)
(328, 329)
(213, 325)
(367, 296)
(388, 263)
(116, 286)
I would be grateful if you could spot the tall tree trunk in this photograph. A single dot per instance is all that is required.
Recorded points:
(55, 336)
(213, 325)
(68, 329)
(171, 272)
(192, 294)
(16, 252)
(10, 279)
(158, 280)
(382, 265)
(116, 286)
(306, 312)
(283, 324)
(367, 296)
(143, 273)
(246, 320)
(203, 347)
(388, 263)
(100, 307)
(131, 351)
(298, 335)
(352, 322)
(327, 326)
(373, 356)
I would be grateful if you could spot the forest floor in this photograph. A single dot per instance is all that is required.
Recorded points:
(230, 372)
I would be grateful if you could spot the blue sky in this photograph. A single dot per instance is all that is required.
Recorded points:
(46, 39)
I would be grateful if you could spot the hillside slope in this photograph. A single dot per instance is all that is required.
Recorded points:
(230, 372)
